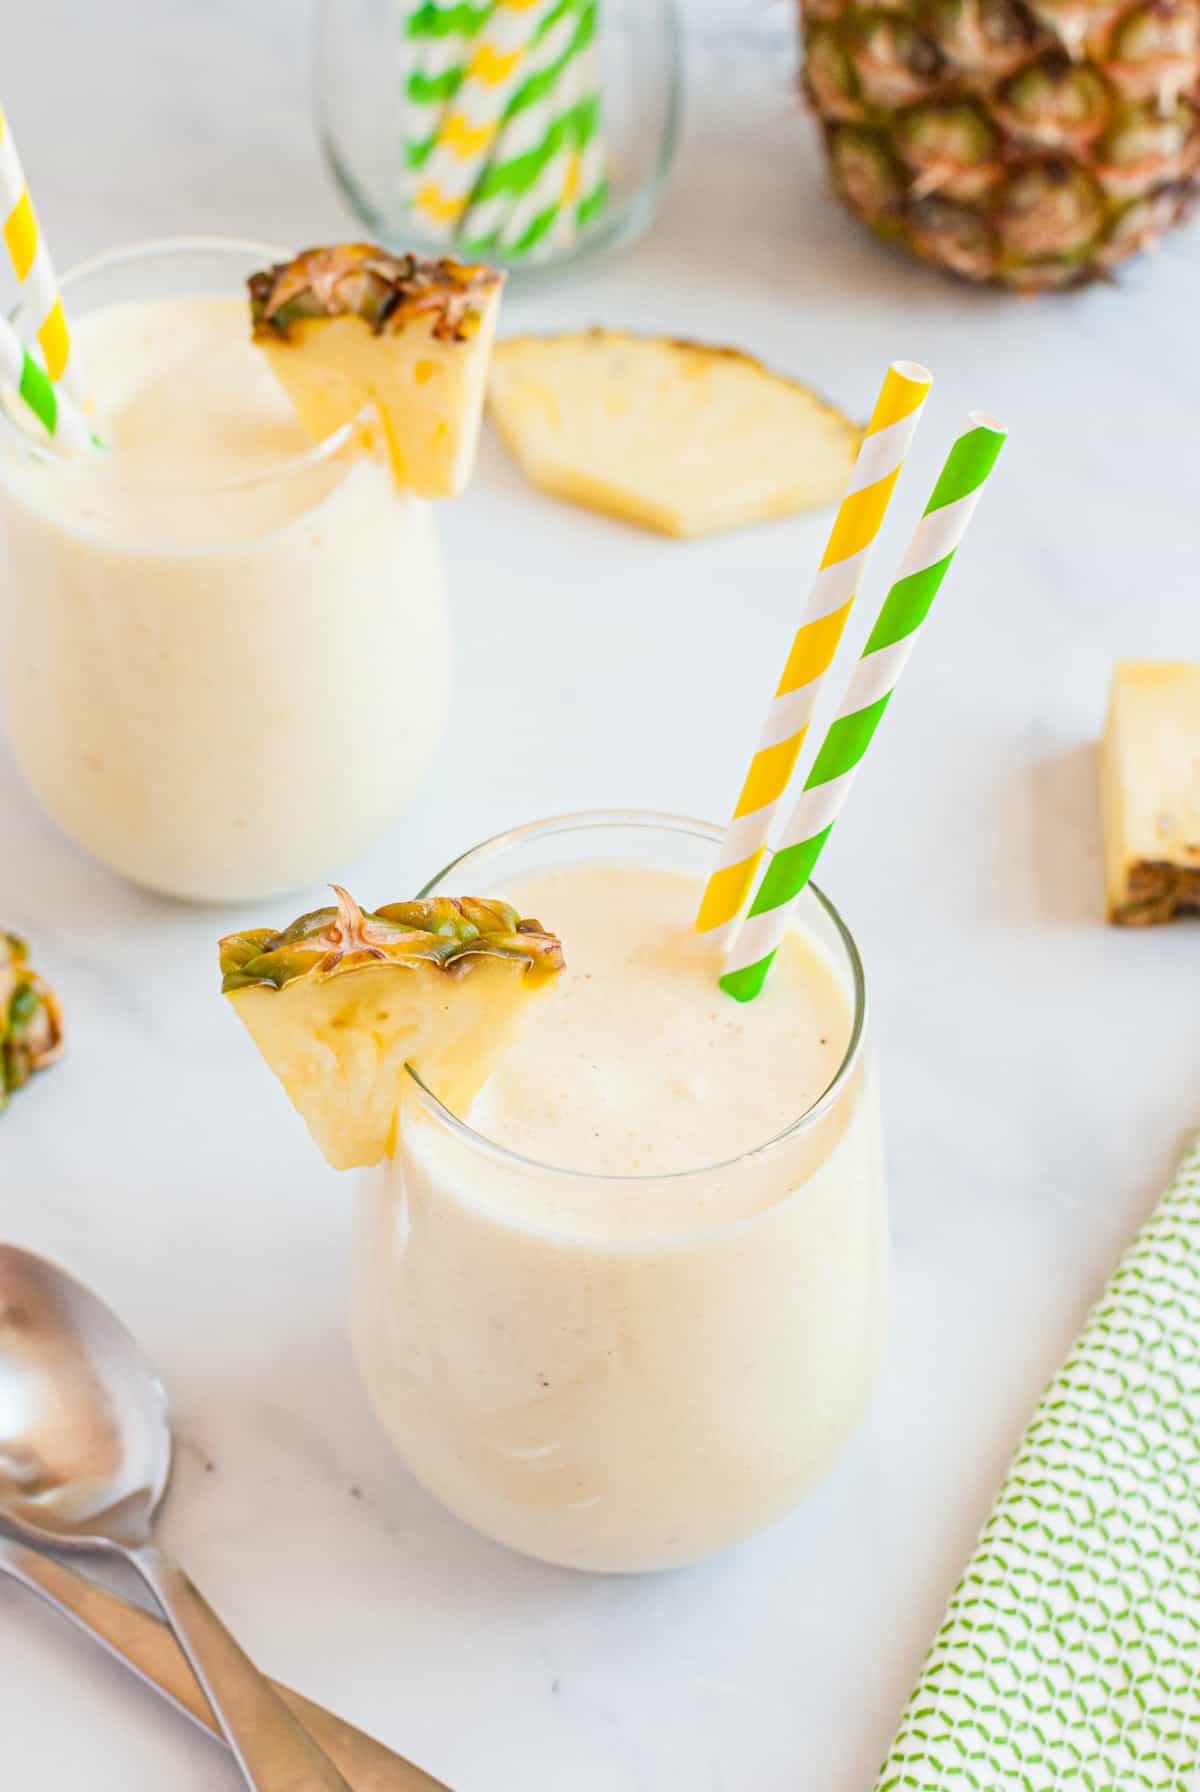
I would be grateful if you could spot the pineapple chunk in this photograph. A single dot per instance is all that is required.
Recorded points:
(340, 1001)
(351, 326)
(1150, 791)
(676, 436)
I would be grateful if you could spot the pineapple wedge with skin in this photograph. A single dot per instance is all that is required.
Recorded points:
(352, 326)
(30, 1019)
(679, 437)
(339, 1002)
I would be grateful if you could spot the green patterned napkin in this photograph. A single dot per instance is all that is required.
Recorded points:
(1069, 1658)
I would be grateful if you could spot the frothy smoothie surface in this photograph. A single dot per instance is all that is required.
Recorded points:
(185, 396)
(636, 1063)
(202, 447)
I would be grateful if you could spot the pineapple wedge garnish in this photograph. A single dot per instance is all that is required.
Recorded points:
(340, 1001)
(676, 436)
(30, 1019)
(1150, 792)
(352, 326)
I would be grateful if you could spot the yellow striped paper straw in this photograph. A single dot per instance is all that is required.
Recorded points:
(539, 122)
(464, 137)
(54, 410)
(901, 618)
(31, 264)
(855, 528)
(435, 45)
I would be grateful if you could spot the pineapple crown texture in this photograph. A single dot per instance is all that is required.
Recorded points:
(360, 280)
(446, 932)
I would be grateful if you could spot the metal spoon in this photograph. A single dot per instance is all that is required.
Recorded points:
(145, 1646)
(85, 1453)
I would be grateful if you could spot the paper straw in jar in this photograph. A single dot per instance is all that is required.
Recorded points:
(54, 410)
(543, 121)
(585, 186)
(550, 200)
(31, 264)
(872, 683)
(593, 171)
(491, 75)
(542, 221)
(436, 46)
(823, 619)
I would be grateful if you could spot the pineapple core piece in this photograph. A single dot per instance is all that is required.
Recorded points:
(351, 326)
(340, 1001)
(1150, 791)
(675, 436)
(30, 1020)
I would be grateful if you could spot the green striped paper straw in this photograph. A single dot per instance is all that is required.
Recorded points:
(540, 34)
(62, 421)
(437, 42)
(442, 32)
(884, 657)
(497, 66)
(552, 208)
(543, 124)
(592, 199)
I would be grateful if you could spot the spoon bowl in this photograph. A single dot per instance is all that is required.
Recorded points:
(85, 1439)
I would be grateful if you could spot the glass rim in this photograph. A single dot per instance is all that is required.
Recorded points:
(661, 821)
(148, 249)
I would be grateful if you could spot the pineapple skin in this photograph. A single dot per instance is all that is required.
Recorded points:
(351, 328)
(342, 1000)
(340, 1045)
(1032, 146)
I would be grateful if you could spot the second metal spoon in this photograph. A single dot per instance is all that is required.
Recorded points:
(85, 1454)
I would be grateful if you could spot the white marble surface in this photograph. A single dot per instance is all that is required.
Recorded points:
(1038, 1069)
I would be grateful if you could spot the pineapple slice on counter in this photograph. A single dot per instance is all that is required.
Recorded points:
(1150, 791)
(676, 436)
(351, 325)
(30, 1019)
(342, 999)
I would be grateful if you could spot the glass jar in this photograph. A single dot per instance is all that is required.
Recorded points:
(555, 145)
(625, 1373)
(222, 686)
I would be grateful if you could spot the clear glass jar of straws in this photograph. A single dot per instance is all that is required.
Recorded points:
(527, 133)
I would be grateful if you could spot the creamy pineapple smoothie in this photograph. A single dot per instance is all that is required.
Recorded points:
(224, 652)
(586, 1340)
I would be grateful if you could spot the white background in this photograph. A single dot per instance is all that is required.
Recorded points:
(1038, 1069)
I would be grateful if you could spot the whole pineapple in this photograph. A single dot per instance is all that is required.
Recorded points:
(1031, 143)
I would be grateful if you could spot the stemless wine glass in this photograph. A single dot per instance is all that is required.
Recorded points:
(226, 685)
(625, 1372)
(369, 127)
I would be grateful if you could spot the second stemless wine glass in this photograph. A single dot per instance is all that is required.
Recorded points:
(224, 687)
(626, 1372)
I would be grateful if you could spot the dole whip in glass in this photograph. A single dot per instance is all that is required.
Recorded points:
(619, 1288)
(247, 570)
